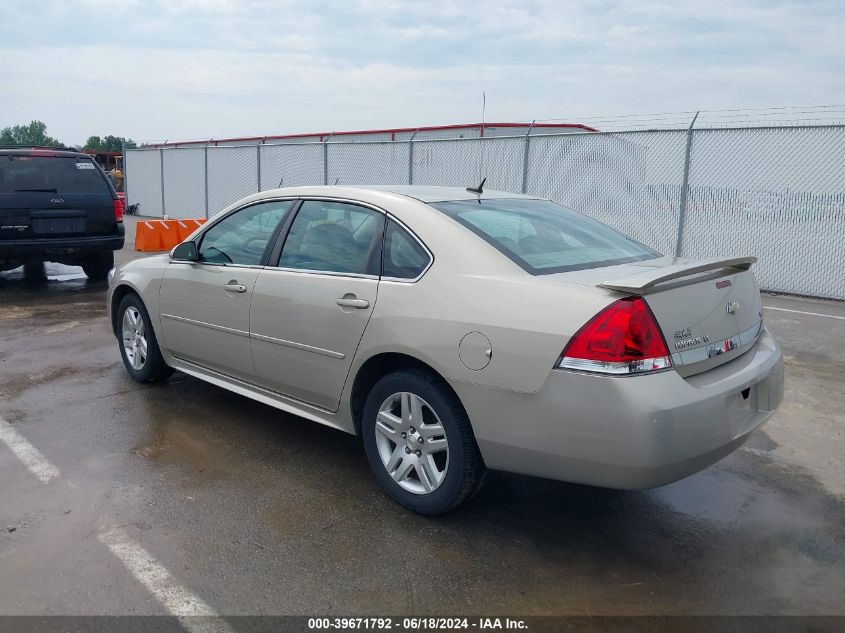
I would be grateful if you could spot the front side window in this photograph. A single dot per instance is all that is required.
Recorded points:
(544, 237)
(404, 257)
(334, 237)
(242, 237)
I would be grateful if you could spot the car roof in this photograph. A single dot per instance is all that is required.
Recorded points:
(430, 193)
(373, 193)
(41, 151)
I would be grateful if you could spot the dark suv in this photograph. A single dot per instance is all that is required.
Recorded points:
(57, 205)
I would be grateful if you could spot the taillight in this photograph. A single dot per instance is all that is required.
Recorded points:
(118, 209)
(622, 339)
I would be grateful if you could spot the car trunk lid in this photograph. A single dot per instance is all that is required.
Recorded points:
(708, 310)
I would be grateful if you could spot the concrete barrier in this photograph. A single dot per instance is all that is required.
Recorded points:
(161, 235)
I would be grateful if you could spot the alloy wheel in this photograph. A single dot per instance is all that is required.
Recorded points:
(412, 443)
(134, 338)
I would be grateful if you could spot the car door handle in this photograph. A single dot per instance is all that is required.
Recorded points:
(234, 286)
(345, 302)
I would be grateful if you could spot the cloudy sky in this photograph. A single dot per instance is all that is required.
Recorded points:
(179, 69)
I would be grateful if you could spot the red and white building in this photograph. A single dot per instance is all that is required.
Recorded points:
(462, 130)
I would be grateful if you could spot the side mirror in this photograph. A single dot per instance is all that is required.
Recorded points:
(185, 252)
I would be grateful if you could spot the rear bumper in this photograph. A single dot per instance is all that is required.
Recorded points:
(46, 248)
(627, 432)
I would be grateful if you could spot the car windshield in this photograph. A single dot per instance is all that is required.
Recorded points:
(544, 237)
(50, 174)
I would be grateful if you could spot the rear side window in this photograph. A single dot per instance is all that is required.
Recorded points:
(50, 174)
(333, 237)
(544, 237)
(404, 257)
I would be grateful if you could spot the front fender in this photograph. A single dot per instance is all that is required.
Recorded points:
(143, 277)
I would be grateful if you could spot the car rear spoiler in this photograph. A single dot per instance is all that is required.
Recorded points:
(645, 281)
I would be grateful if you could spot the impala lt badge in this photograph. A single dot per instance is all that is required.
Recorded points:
(684, 339)
(732, 307)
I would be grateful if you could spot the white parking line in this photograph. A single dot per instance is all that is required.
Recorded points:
(194, 614)
(27, 453)
(818, 314)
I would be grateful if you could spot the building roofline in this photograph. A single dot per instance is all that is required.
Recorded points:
(392, 131)
(97, 152)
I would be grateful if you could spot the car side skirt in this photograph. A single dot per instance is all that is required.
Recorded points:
(265, 396)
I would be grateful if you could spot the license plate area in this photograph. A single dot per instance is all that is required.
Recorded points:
(57, 226)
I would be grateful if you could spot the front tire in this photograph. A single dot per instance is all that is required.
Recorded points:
(419, 442)
(138, 345)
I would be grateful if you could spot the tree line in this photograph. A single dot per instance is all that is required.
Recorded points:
(35, 133)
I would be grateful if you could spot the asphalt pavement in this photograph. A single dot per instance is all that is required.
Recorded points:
(123, 498)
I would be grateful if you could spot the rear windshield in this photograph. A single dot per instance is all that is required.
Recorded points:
(50, 174)
(544, 237)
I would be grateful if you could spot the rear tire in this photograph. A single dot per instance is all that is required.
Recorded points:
(426, 460)
(97, 266)
(34, 271)
(138, 345)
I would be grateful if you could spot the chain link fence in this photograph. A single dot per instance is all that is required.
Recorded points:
(631, 181)
(775, 192)
(291, 165)
(184, 182)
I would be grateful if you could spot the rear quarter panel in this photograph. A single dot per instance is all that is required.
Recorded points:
(471, 287)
